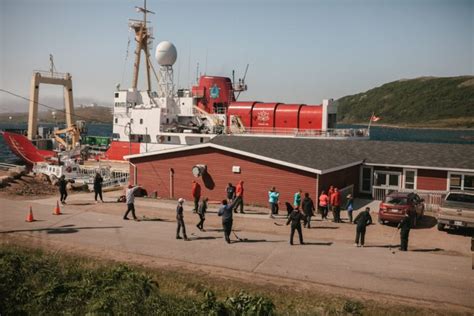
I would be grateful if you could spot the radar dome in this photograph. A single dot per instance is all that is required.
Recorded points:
(166, 53)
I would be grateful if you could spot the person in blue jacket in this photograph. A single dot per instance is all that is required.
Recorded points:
(273, 196)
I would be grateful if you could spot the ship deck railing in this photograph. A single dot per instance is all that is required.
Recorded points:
(295, 132)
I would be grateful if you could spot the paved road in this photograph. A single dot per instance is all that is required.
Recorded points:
(416, 274)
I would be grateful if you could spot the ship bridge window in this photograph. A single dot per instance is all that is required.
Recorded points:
(116, 94)
(141, 121)
(131, 121)
(116, 120)
(116, 136)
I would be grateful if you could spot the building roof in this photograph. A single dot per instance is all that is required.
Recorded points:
(326, 155)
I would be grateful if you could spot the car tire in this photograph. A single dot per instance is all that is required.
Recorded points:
(441, 227)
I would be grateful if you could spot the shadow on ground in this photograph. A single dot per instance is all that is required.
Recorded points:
(65, 229)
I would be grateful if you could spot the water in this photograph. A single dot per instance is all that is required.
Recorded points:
(376, 133)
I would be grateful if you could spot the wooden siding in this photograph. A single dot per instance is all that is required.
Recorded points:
(153, 173)
(431, 180)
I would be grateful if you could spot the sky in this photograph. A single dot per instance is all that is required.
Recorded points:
(298, 51)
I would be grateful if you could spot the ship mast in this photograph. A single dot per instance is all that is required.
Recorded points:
(143, 38)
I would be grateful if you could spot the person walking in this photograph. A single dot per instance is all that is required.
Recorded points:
(295, 219)
(62, 184)
(297, 200)
(336, 205)
(98, 187)
(230, 193)
(225, 210)
(180, 220)
(308, 209)
(130, 200)
(239, 197)
(362, 220)
(323, 205)
(350, 206)
(404, 226)
(273, 196)
(330, 193)
(196, 193)
(202, 214)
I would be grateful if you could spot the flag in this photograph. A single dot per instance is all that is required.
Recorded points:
(374, 118)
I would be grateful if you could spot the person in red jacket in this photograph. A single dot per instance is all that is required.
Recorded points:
(239, 197)
(196, 192)
(336, 205)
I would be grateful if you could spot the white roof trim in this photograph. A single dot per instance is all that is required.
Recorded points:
(228, 149)
(419, 167)
(352, 164)
(166, 151)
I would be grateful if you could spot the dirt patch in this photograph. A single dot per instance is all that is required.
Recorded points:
(28, 187)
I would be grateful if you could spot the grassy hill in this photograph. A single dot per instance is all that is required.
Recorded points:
(426, 101)
(97, 114)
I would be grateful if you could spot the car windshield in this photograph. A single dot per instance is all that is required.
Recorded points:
(396, 200)
(460, 197)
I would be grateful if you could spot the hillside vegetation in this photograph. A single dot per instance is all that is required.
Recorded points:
(98, 114)
(427, 101)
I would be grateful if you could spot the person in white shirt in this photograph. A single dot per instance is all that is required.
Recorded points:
(130, 200)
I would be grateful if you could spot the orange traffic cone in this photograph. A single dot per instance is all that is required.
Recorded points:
(29, 217)
(57, 210)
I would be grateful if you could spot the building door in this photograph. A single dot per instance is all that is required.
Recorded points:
(366, 179)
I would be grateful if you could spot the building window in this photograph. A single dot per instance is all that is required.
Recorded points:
(116, 94)
(460, 181)
(116, 120)
(409, 179)
(141, 121)
(387, 179)
(201, 140)
(366, 179)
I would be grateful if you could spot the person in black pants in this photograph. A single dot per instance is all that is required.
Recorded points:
(98, 186)
(295, 219)
(202, 213)
(180, 219)
(62, 184)
(404, 226)
(362, 220)
(226, 212)
(308, 209)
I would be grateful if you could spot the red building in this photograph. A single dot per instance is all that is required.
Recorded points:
(365, 167)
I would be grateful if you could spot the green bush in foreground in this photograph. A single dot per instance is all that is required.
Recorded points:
(33, 283)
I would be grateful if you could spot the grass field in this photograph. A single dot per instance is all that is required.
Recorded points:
(37, 282)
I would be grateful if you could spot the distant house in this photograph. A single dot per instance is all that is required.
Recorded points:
(368, 168)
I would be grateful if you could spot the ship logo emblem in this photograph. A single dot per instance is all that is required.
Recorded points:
(263, 117)
(214, 91)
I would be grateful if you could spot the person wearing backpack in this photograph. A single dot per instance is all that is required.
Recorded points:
(230, 193)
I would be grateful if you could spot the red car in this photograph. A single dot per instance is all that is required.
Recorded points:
(397, 204)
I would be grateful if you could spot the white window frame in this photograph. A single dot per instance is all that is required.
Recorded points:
(361, 179)
(462, 174)
(415, 183)
(398, 173)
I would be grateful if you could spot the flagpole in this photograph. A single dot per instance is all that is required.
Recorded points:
(370, 121)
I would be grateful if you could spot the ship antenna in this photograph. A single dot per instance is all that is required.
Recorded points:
(142, 37)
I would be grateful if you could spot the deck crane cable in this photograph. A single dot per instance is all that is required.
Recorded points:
(126, 57)
(52, 107)
(243, 81)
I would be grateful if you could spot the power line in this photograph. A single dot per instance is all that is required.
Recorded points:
(49, 106)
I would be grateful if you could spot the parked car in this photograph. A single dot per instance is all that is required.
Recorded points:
(396, 204)
(456, 210)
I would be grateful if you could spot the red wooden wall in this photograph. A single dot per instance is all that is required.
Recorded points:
(153, 173)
